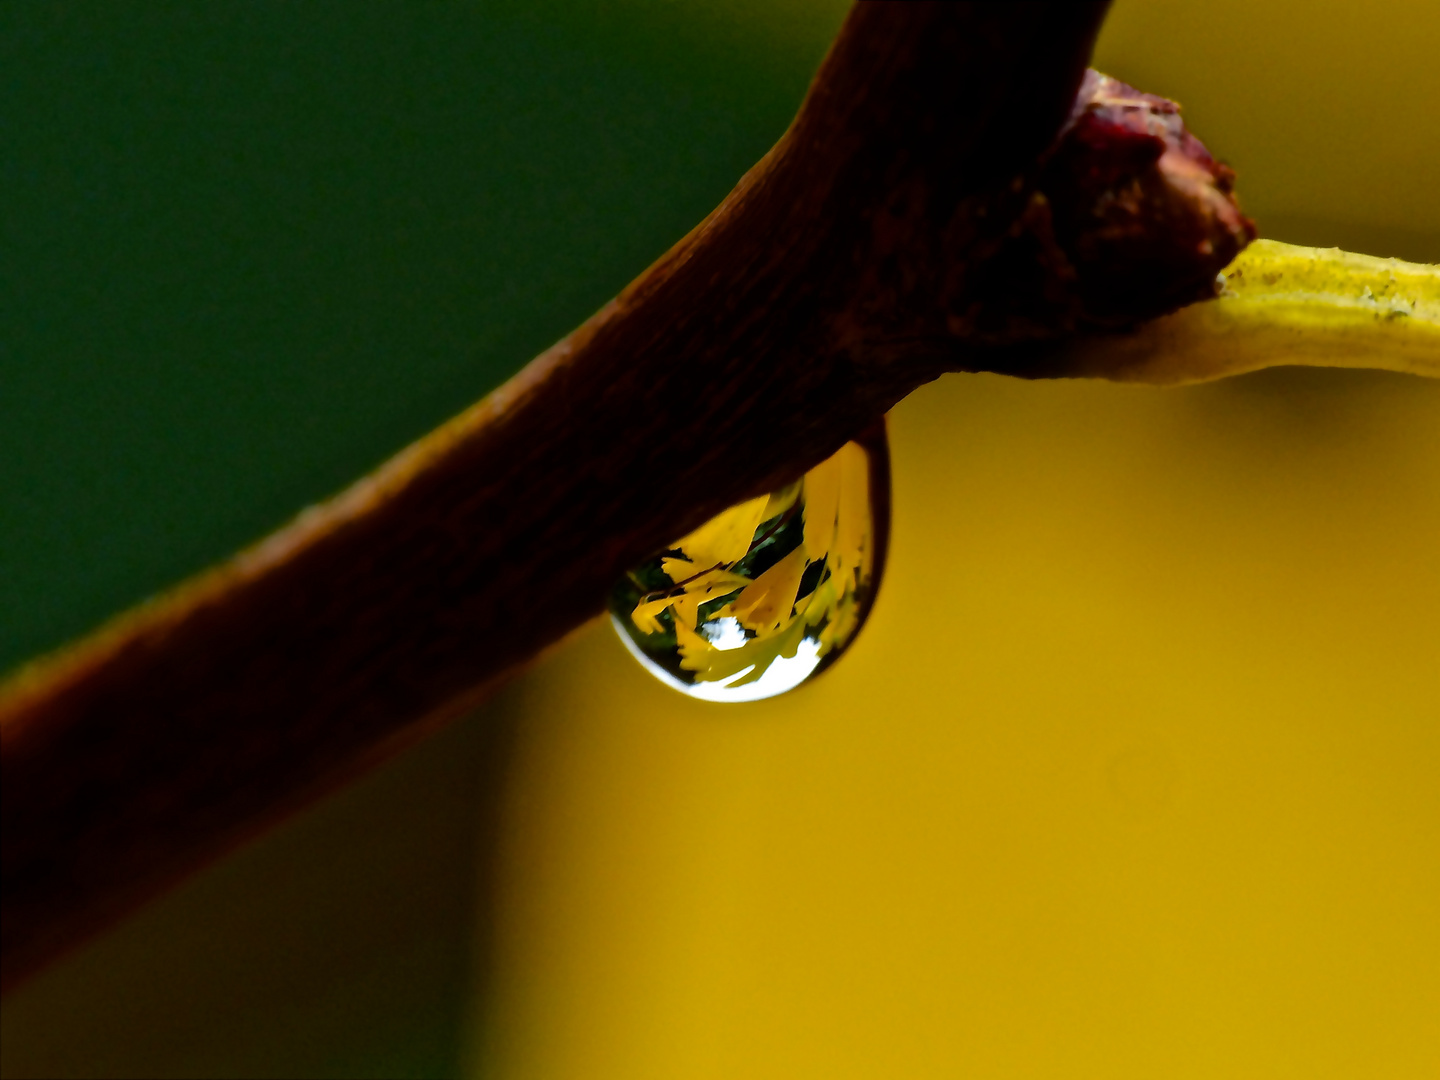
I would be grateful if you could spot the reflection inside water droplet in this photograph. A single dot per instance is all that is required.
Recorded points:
(768, 593)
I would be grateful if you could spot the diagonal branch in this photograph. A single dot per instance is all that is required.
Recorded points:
(919, 216)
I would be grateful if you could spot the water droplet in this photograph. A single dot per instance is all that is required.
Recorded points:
(770, 592)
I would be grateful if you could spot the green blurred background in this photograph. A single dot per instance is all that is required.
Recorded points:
(1132, 773)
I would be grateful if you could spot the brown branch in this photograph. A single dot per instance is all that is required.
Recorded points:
(897, 230)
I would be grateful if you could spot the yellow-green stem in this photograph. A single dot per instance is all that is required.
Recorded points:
(1284, 305)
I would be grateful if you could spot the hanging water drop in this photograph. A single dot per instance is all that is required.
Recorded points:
(770, 592)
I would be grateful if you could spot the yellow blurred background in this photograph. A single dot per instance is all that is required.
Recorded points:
(1132, 773)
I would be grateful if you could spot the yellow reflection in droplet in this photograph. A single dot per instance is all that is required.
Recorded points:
(768, 593)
